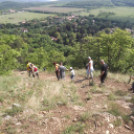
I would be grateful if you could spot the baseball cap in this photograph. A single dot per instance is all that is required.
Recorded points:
(89, 57)
(71, 68)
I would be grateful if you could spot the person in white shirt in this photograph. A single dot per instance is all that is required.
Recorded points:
(72, 73)
(35, 70)
(90, 68)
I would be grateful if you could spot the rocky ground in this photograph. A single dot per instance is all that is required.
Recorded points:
(48, 106)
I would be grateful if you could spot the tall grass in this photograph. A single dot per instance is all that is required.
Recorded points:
(118, 77)
(36, 94)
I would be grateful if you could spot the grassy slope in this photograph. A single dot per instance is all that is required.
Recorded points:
(19, 17)
(121, 13)
(54, 9)
(51, 104)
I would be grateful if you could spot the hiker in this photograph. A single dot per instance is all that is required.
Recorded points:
(44, 69)
(132, 88)
(34, 70)
(103, 71)
(29, 68)
(72, 73)
(90, 68)
(57, 72)
(62, 70)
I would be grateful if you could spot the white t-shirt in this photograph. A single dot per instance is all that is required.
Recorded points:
(91, 62)
(72, 72)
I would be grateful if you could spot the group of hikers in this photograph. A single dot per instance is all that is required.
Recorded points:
(32, 69)
(60, 71)
(90, 70)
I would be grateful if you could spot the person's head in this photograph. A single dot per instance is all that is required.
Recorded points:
(102, 62)
(27, 62)
(32, 65)
(71, 68)
(61, 63)
(89, 58)
(54, 63)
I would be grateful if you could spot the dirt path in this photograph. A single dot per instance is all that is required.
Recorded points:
(95, 102)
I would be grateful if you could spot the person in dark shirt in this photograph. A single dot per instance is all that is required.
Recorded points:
(103, 71)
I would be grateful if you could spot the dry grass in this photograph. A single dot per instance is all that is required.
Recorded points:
(118, 77)
(36, 94)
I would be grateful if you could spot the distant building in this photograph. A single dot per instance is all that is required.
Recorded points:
(12, 11)
(129, 30)
(53, 38)
(24, 30)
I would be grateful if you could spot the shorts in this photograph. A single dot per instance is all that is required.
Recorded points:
(72, 77)
(91, 70)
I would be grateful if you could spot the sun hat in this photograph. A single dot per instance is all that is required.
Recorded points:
(71, 68)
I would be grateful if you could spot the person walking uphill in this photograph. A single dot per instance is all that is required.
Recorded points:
(103, 71)
(29, 68)
(62, 70)
(57, 72)
(90, 68)
(35, 71)
(72, 73)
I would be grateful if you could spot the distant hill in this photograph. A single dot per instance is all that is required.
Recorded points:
(17, 5)
(88, 3)
(123, 2)
(25, 0)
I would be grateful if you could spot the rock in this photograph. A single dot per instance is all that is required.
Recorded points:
(79, 108)
(111, 125)
(44, 112)
(125, 105)
(85, 132)
(91, 131)
(75, 120)
(127, 127)
(16, 105)
(18, 124)
(107, 132)
(68, 95)
(54, 121)
(119, 118)
(59, 103)
(8, 117)
(132, 118)
(105, 107)
(127, 98)
(109, 117)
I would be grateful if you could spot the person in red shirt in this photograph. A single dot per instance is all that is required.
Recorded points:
(35, 71)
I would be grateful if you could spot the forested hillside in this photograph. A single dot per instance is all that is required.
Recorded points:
(17, 5)
(70, 42)
(123, 2)
(89, 3)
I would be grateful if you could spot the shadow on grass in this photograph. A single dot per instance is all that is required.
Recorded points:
(79, 81)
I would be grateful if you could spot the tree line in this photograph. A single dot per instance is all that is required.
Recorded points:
(117, 49)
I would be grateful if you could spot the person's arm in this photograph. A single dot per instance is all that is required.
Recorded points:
(89, 66)
(102, 73)
(132, 77)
